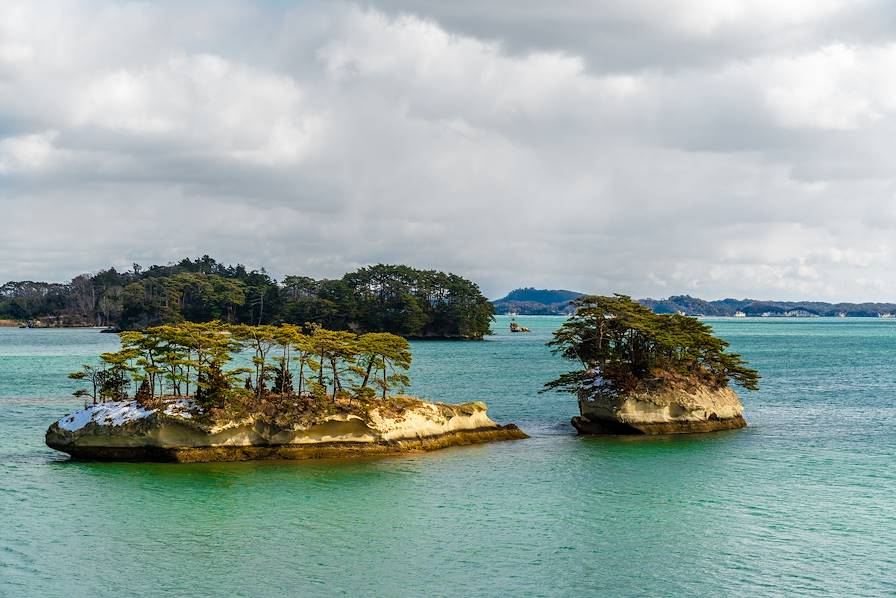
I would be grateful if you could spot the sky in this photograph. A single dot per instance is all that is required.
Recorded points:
(719, 148)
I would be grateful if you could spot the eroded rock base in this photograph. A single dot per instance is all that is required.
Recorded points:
(330, 450)
(605, 426)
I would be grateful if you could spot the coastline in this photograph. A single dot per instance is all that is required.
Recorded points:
(14, 324)
(296, 452)
(178, 430)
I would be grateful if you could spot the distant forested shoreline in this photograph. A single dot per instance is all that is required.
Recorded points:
(531, 301)
(693, 306)
(383, 298)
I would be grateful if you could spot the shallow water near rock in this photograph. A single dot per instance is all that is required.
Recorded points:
(803, 502)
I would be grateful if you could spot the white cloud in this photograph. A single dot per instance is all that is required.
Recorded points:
(205, 102)
(709, 17)
(719, 148)
(836, 87)
(27, 153)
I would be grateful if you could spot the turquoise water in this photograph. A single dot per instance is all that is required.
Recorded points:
(803, 502)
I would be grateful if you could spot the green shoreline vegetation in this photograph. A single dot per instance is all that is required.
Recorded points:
(293, 369)
(383, 298)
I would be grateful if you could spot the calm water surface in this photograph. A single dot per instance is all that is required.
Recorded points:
(803, 502)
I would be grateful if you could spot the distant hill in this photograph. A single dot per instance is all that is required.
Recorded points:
(693, 306)
(530, 301)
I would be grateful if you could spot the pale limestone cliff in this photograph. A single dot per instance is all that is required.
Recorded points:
(663, 411)
(177, 432)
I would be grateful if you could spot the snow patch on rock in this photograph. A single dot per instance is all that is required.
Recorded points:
(114, 413)
(181, 408)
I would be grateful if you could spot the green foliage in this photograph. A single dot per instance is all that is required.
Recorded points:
(624, 346)
(213, 386)
(396, 299)
(143, 393)
(114, 384)
(107, 383)
(282, 382)
(261, 339)
(382, 298)
(191, 359)
(383, 358)
(336, 352)
(90, 374)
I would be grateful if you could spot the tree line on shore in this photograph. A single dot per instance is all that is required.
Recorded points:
(768, 308)
(197, 360)
(382, 298)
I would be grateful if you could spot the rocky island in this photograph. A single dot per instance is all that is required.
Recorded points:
(324, 394)
(175, 430)
(647, 373)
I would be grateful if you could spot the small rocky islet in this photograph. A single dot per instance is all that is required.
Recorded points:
(177, 429)
(309, 393)
(647, 373)
(668, 410)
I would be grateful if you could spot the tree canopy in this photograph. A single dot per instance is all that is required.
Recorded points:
(218, 365)
(623, 346)
(381, 298)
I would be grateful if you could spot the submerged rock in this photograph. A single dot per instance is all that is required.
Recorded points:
(670, 410)
(178, 431)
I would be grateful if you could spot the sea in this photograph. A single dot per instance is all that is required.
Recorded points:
(800, 503)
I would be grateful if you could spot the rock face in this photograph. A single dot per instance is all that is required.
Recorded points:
(177, 432)
(667, 411)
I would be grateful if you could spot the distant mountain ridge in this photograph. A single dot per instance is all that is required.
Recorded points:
(531, 301)
(694, 306)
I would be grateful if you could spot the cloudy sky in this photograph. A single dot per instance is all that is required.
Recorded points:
(654, 147)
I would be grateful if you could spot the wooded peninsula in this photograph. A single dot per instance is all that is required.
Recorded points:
(383, 298)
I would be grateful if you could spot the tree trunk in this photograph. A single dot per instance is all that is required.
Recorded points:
(367, 374)
(335, 377)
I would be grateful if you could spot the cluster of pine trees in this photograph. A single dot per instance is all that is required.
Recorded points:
(623, 346)
(382, 298)
(197, 360)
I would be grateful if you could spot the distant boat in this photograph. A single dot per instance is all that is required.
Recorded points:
(512, 313)
(841, 314)
(514, 327)
(886, 315)
(740, 314)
